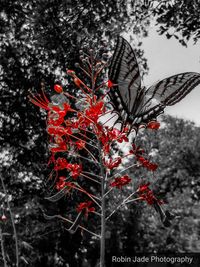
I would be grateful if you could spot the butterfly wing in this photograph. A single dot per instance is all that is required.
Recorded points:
(173, 89)
(167, 92)
(124, 72)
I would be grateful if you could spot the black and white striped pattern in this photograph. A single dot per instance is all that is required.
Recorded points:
(131, 102)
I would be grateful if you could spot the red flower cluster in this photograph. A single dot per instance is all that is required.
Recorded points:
(107, 136)
(91, 114)
(60, 164)
(147, 194)
(137, 151)
(75, 170)
(86, 206)
(111, 164)
(119, 182)
(61, 183)
(117, 135)
(147, 164)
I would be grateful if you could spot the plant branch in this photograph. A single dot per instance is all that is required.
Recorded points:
(2, 248)
(12, 221)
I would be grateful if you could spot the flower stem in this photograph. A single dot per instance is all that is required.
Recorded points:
(103, 211)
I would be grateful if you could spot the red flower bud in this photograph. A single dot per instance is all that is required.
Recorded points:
(58, 88)
(71, 73)
(77, 81)
(109, 84)
(153, 125)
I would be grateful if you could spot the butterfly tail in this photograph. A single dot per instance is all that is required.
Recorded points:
(165, 216)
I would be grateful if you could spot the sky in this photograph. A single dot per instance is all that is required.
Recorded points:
(167, 57)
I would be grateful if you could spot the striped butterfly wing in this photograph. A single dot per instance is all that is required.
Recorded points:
(173, 89)
(167, 92)
(127, 95)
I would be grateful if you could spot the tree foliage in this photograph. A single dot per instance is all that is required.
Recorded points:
(179, 19)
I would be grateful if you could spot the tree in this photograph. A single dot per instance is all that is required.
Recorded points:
(179, 19)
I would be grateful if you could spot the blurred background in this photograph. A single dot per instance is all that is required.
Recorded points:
(38, 41)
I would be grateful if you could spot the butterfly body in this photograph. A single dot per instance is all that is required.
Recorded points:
(135, 105)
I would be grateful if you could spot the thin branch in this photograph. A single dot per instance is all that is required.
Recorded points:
(108, 192)
(90, 196)
(12, 221)
(132, 200)
(134, 165)
(67, 220)
(90, 160)
(3, 249)
(83, 175)
(121, 204)
(98, 176)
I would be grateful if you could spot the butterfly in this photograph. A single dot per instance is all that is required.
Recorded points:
(134, 104)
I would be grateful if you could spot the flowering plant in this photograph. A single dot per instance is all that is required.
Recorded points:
(80, 130)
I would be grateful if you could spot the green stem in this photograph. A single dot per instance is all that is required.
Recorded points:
(12, 221)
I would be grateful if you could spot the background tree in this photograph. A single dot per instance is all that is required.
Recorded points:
(179, 19)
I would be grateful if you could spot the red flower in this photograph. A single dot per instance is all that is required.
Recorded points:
(147, 194)
(75, 170)
(58, 146)
(136, 150)
(143, 188)
(109, 84)
(86, 206)
(121, 181)
(95, 111)
(60, 164)
(111, 164)
(117, 135)
(56, 114)
(58, 88)
(149, 165)
(56, 130)
(61, 183)
(153, 125)
(80, 144)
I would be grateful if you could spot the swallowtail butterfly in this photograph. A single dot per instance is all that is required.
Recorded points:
(134, 104)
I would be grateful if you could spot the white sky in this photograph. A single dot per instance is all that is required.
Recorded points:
(167, 57)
